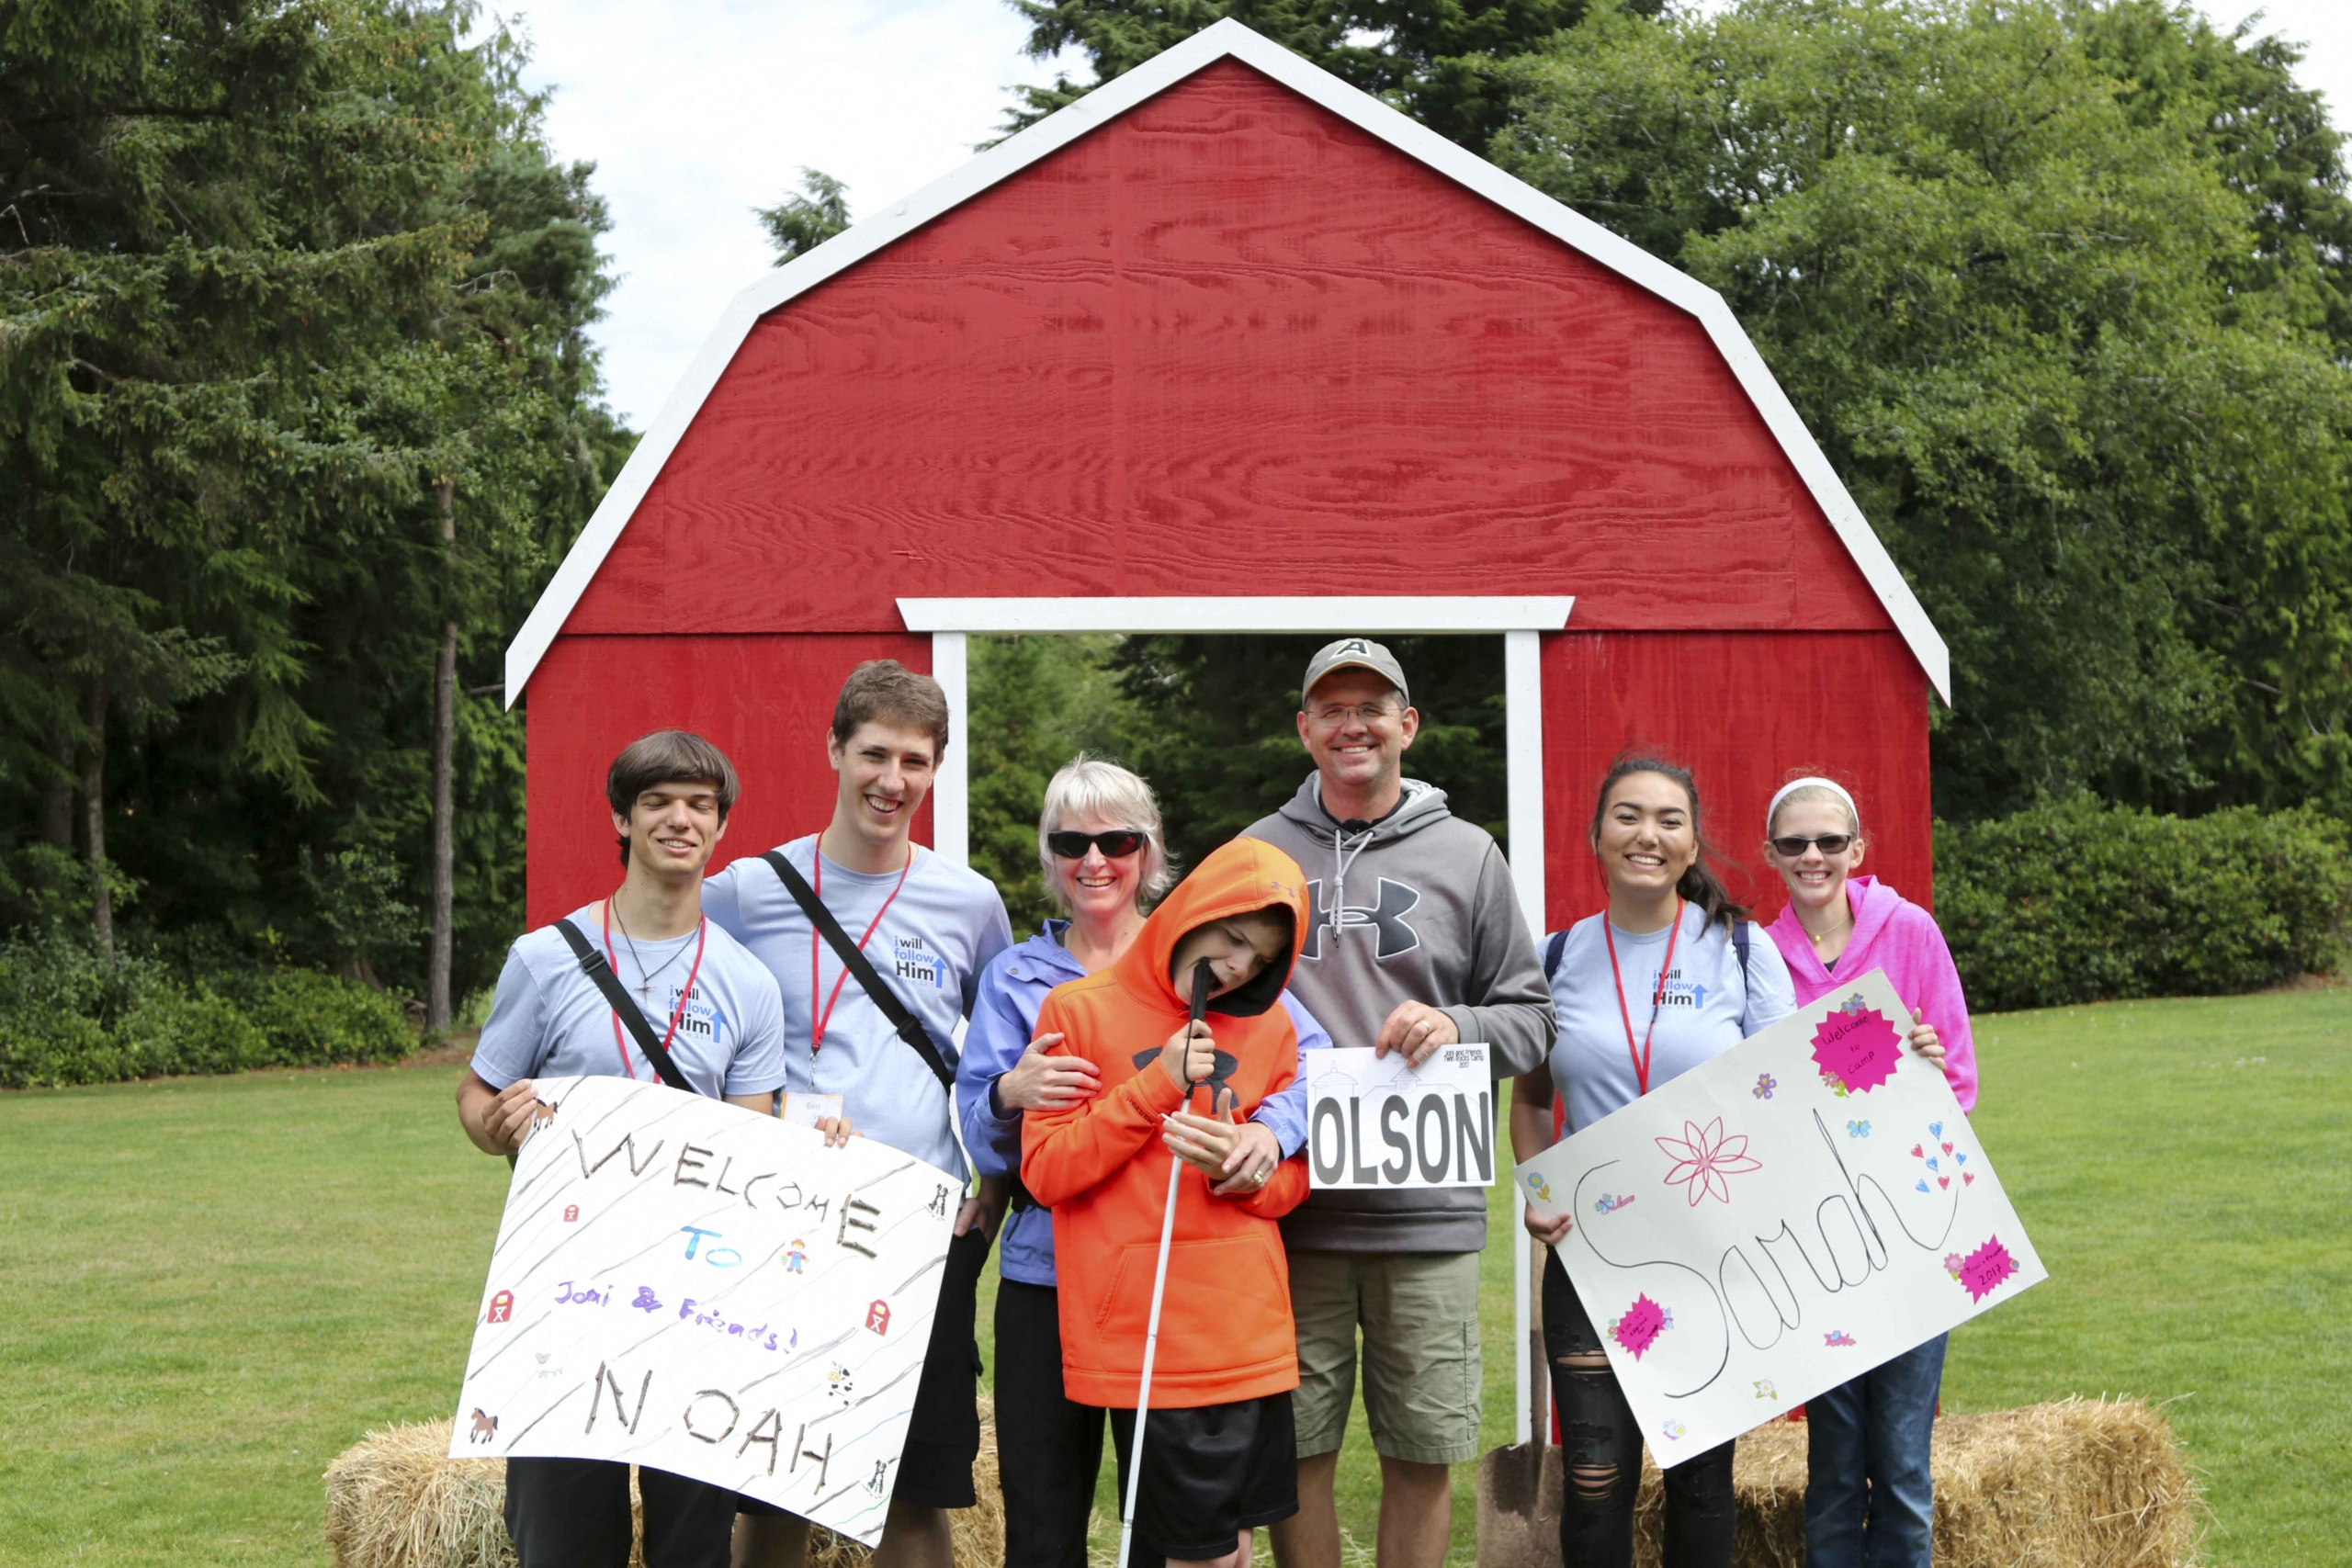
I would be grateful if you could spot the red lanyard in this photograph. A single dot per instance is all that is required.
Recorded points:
(702, 934)
(816, 941)
(1641, 1058)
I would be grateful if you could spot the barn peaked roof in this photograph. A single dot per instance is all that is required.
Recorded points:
(1225, 40)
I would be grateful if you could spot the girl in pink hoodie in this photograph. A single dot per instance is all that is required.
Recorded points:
(1868, 1496)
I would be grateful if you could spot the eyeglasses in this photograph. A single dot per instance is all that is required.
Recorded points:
(1339, 713)
(1115, 844)
(1830, 844)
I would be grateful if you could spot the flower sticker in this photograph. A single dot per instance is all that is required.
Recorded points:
(1704, 1157)
(1765, 1085)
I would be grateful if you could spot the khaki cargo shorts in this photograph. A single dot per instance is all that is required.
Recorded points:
(1419, 1312)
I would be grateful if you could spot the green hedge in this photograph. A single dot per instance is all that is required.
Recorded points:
(2084, 902)
(67, 1016)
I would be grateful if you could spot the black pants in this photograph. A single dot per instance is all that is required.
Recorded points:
(1600, 1448)
(573, 1513)
(1048, 1449)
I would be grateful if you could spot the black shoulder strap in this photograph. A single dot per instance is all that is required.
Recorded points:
(600, 975)
(1554, 945)
(1739, 930)
(910, 1028)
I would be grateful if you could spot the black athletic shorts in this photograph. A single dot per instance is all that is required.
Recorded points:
(1209, 1473)
(944, 1437)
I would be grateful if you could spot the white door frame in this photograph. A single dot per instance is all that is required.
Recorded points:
(1521, 621)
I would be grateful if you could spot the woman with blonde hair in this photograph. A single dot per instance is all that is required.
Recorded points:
(1868, 1498)
(1105, 859)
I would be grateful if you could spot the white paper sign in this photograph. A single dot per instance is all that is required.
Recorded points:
(1382, 1123)
(682, 1283)
(1765, 1227)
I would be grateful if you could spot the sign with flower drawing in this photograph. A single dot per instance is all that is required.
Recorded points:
(1807, 1205)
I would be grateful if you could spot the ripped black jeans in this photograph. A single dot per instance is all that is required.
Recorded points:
(1600, 1450)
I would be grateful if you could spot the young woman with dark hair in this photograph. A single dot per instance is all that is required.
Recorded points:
(1668, 977)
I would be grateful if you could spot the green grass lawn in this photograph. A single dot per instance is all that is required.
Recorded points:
(209, 1287)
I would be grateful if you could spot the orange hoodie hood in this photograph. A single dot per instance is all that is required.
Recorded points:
(1225, 1333)
(1238, 878)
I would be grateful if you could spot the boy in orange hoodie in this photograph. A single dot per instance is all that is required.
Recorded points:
(1219, 1460)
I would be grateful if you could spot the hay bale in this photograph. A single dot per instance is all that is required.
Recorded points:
(976, 1533)
(396, 1499)
(2079, 1484)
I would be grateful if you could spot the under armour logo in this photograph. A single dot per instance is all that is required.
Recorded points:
(1397, 900)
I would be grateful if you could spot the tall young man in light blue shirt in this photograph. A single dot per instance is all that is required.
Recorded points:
(929, 927)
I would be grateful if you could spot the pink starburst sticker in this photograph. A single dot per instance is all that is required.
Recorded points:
(1638, 1329)
(1703, 1155)
(1984, 1269)
(1859, 1050)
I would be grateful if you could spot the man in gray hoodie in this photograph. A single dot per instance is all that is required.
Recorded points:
(1415, 942)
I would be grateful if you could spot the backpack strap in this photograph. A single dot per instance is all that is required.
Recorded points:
(632, 1017)
(1554, 945)
(903, 1018)
(1739, 941)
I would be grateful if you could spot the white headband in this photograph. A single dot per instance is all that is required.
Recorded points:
(1853, 812)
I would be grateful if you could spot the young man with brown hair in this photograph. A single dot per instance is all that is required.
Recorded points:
(721, 1022)
(927, 927)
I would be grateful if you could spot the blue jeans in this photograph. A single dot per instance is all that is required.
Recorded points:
(1869, 1501)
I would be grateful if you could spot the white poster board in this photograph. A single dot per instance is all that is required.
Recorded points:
(1379, 1121)
(1765, 1227)
(682, 1283)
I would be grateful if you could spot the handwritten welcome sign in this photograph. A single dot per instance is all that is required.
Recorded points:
(1763, 1228)
(681, 1283)
(1379, 1121)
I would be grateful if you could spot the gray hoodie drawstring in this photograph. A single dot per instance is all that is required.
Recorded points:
(1341, 857)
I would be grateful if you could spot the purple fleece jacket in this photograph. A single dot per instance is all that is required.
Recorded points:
(1897, 935)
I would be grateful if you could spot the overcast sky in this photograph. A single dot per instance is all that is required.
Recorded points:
(695, 111)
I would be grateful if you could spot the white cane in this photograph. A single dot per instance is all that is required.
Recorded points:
(1203, 976)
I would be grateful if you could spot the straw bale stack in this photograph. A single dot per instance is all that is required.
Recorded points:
(2079, 1484)
(395, 1499)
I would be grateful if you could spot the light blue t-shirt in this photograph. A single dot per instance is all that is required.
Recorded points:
(1708, 1006)
(548, 1019)
(939, 932)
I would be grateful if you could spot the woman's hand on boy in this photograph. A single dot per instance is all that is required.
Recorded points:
(1039, 1082)
(1256, 1156)
(1189, 1055)
(1220, 1148)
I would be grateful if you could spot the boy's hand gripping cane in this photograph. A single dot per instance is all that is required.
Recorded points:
(1204, 977)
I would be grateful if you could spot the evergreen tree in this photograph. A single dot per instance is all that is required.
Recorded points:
(1428, 58)
(801, 222)
(278, 278)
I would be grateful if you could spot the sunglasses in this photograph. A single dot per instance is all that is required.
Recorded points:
(1115, 844)
(1830, 843)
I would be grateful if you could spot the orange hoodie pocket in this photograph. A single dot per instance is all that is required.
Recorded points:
(1200, 1274)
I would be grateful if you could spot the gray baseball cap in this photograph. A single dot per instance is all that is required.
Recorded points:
(1355, 653)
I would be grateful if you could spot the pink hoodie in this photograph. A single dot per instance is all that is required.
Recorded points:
(1897, 935)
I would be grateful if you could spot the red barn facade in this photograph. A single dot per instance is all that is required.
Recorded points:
(1229, 345)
